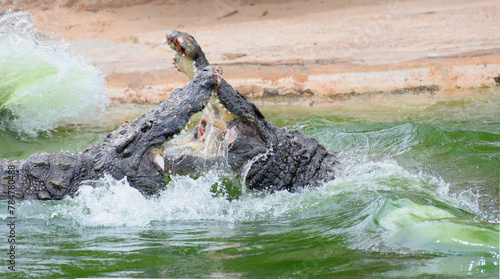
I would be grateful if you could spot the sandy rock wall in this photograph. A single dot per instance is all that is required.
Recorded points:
(79, 5)
(283, 48)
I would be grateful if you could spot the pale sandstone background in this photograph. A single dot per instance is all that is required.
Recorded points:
(273, 48)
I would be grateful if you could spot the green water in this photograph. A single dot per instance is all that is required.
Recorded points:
(416, 196)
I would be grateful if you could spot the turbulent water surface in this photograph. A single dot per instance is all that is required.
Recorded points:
(416, 192)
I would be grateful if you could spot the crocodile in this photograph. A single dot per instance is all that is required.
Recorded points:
(132, 151)
(233, 132)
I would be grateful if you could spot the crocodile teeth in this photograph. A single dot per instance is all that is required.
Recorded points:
(205, 112)
(220, 105)
(217, 100)
(232, 134)
(183, 132)
(160, 161)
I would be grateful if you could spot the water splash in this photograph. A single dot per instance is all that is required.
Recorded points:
(43, 87)
(114, 203)
(375, 207)
(207, 198)
(383, 215)
(408, 213)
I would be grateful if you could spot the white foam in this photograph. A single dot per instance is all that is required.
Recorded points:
(400, 213)
(114, 203)
(43, 87)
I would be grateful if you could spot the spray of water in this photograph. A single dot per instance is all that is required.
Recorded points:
(43, 87)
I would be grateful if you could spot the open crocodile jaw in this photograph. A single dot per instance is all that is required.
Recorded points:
(206, 144)
(203, 145)
(188, 57)
(274, 158)
(209, 142)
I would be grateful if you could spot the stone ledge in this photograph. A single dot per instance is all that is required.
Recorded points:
(273, 81)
